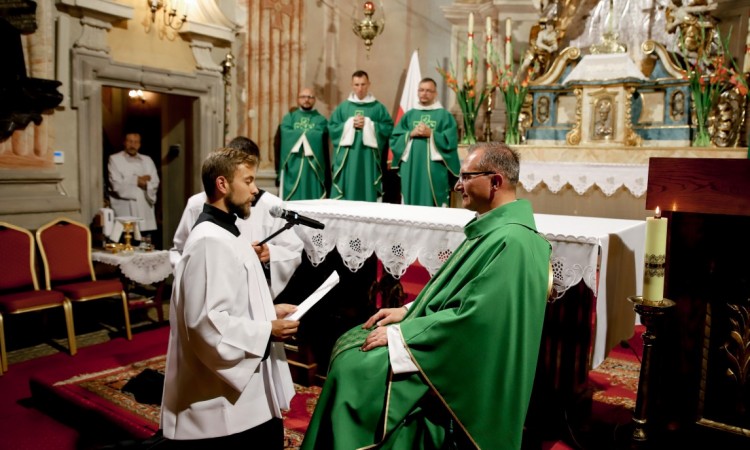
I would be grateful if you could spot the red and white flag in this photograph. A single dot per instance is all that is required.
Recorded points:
(409, 96)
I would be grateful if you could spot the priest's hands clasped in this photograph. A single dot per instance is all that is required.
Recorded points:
(282, 329)
(421, 130)
(359, 121)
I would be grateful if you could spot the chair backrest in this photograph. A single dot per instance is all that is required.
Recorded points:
(65, 246)
(17, 269)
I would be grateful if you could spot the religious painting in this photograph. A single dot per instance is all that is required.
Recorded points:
(677, 106)
(542, 110)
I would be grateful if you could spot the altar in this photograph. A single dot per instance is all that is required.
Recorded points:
(604, 254)
(596, 181)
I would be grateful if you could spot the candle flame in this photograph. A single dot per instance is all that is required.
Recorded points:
(657, 213)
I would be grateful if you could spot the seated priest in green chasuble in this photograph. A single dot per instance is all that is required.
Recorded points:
(304, 167)
(455, 368)
(424, 145)
(359, 127)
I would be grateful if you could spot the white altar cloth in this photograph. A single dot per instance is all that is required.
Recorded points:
(401, 234)
(141, 267)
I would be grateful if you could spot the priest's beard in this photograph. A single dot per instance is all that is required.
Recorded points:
(240, 209)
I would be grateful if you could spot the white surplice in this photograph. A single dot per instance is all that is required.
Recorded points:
(285, 249)
(127, 198)
(216, 382)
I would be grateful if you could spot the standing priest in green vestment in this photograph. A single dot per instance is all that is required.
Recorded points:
(303, 162)
(424, 145)
(359, 128)
(457, 366)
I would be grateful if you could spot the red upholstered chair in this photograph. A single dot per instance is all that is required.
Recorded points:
(66, 252)
(19, 289)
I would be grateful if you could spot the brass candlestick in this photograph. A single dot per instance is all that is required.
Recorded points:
(652, 313)
(487, 131)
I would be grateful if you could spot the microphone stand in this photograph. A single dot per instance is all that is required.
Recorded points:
(280, 230)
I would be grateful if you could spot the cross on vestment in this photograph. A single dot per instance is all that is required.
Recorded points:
(425, 119)
(304, 124)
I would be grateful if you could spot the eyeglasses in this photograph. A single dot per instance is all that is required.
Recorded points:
(463, 177)
(307, 96)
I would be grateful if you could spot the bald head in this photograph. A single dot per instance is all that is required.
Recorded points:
(306, 99)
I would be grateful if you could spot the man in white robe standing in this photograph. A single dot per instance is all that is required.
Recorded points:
(281, 255)
(226, 378)
(134, 183)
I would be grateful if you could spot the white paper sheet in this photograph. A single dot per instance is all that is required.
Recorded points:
(315, 297)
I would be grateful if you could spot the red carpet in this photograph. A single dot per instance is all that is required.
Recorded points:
(23, 425)
(96, 396)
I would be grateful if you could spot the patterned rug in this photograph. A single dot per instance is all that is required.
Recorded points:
(615, 382)
(102, 391)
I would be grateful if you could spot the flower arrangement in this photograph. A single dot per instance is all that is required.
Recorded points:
(469, 98)
(468, 95)
(514, 88)
(710, 70)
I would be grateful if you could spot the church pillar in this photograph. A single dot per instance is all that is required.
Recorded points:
(274, 52)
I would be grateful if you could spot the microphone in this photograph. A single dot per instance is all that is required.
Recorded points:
(295, 218)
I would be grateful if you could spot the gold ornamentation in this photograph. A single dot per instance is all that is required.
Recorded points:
(558, 66)
(574, 136)
(654, 265)
(737, 350)
(726, 119)
(670, 66)
(632, 139)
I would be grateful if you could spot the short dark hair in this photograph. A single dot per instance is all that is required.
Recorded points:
(222, 163)
(246, 145)
(131, 131)
(428, 80)
(498, 157)
(360, 74)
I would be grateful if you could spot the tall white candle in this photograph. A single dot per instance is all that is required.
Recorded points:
(470, 49)
(746, 63)
(655, 257)
(488, 48)
(508, 48)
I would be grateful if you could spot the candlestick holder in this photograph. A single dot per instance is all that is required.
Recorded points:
(652, 314)
(487, 126)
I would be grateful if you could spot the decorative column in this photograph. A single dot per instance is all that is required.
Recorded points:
(274, 57)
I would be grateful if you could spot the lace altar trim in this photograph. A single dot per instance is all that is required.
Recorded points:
(398, 254)
(141, 267)
(583, 176)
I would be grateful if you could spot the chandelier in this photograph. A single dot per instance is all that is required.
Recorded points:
(170, 15)
(368, 28)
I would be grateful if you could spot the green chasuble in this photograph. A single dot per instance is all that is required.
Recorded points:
(357, 171)
(474, 333)
(303, 164)
(424, 163)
